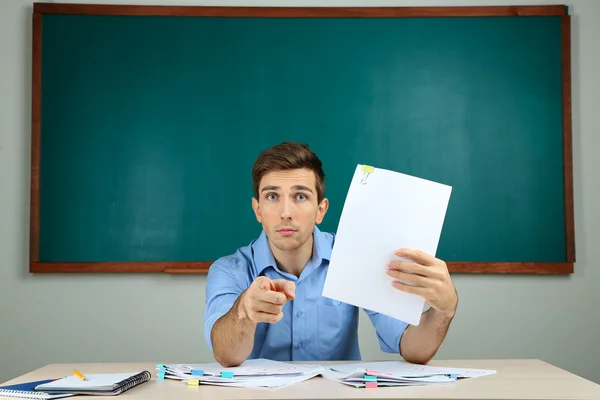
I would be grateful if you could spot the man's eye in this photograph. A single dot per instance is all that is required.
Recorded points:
(271, 196)
(301, 197)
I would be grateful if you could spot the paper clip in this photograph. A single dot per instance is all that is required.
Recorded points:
(367, 170)
(193, 382)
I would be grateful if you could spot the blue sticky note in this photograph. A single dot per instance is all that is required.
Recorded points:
(226, 374)
(453, 376)
(369, 378)
(197, 372)
(161, 375)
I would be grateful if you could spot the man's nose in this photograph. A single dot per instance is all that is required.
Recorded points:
(286, 209)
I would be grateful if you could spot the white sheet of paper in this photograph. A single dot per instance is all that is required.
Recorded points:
(252, 367)
(403, 369)
(390, 211)
(92, 381)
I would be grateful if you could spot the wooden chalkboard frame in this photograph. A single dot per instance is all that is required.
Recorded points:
(39, 9)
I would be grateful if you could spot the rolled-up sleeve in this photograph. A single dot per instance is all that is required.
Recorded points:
(389, 331)
(222, 290)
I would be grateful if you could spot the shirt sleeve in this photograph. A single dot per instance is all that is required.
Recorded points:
(389, 331)
(223, 287)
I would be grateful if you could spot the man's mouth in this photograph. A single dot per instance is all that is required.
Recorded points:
(286, 231)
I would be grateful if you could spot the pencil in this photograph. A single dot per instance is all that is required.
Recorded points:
(79, 375)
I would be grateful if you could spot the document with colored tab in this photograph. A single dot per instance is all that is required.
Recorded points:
(397, 373)
(252, 373)
(383, 212)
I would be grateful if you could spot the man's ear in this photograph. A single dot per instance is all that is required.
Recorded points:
(256, 209)
(322, 210)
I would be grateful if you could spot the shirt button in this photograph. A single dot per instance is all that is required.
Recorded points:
(299, 314)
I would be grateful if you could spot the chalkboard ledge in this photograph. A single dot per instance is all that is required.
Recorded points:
(202, 267)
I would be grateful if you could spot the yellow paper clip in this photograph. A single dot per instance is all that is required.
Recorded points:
(367, 170)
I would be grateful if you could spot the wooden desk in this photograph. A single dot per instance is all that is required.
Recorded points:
(515, 379)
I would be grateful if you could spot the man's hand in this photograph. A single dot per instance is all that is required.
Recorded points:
(264, 299)
(426, 276)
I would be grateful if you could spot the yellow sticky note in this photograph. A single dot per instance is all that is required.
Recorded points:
(367, 168)
(193, 382)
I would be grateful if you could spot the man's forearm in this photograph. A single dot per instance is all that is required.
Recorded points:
(232, 337)
(420, 343)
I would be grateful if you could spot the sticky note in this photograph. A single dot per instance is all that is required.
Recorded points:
(371, 385)
(367, 168)
(197, 372)
(226, 374)
(161, 375)
(372, 372)
(453, 376)
(369, 378)
(193, 382)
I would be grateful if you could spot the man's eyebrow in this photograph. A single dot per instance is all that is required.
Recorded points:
(301, 187)
(270, 187)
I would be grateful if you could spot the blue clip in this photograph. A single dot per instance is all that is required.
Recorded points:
(161, 375)
(226, 374)
(453, 376)
(197, 372)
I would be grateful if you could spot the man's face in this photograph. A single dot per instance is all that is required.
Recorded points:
(288, 207)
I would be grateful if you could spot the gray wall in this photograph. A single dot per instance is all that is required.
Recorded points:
(86, 318)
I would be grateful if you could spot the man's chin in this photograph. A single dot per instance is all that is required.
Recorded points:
(285, 245)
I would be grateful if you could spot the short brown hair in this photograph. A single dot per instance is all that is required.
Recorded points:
(285, 156)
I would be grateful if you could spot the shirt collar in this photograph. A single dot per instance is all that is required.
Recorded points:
(263, 257)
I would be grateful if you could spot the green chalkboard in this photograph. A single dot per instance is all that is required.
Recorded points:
(150, 126)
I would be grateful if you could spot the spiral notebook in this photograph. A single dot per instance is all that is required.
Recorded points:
(96, 384)
(27, 391)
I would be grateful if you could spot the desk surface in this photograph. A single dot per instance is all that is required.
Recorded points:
(515, 379)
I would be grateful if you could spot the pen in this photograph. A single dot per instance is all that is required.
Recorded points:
(79, 375)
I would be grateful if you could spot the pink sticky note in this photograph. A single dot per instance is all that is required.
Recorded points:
(372, 372)
(371, 385)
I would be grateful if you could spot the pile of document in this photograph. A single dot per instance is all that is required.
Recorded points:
(397, 373)
(252, 373)
(273, 374)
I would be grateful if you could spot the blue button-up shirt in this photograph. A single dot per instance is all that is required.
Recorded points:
(313, 327)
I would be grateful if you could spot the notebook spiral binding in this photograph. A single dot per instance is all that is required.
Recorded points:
(135, 380)
(23, 394)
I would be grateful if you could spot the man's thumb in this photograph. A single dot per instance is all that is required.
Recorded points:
(264, 282)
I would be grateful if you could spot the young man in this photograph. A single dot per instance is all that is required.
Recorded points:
(264, 301)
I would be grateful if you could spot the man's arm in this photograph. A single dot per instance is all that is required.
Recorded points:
(429, 278)
(420, 343)
(232, 335)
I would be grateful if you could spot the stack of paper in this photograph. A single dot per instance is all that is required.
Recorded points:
(397, 373)
(252, 373)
